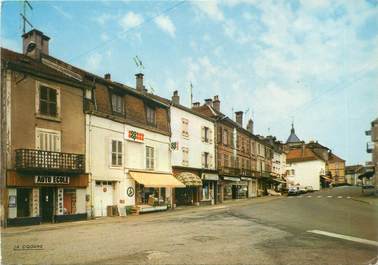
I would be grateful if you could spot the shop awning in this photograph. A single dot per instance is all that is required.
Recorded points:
(155, 180)
(326, 179)
(367, 174)
(279, 180)
(189, 179)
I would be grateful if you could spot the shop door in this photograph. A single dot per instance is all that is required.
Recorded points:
(23, 202)
(103, 197)
(47, 204)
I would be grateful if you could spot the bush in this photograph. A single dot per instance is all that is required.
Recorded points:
(128, 209)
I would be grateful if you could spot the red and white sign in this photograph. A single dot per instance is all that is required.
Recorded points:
(136, 136)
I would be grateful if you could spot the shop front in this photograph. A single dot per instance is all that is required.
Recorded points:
(190, 195)
(35, 199)
(153, 191)
(234, 188)
(209, 188)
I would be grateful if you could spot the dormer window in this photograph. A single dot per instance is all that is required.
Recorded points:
(118, 104)
(48, 101)
(151, 116)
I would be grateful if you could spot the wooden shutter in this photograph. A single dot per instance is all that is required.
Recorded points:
(210, 136)
(210, 160)
(219, 131)
(203, 159)
(202, 133)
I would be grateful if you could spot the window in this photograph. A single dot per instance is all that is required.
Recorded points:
(48, 101)
(206, 134)
(225, 160)
(185, 156)
(185, 125)
(150, 158)
(47, 140)
(225, 137)
(116, 153)
(151, 117)
(117, 104)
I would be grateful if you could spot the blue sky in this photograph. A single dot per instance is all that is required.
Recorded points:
(311, 60)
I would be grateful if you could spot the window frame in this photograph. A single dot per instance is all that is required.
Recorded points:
(38, 101)
(117, 152)
(150, 109)
(114, 103)
(150, 159)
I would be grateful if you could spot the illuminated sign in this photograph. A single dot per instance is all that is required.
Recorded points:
(138, 137)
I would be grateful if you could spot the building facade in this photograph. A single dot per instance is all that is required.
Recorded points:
(43, 144)
(372, 148)
(193, 155)
(128, 148)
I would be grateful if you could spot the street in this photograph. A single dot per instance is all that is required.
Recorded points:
(268, 230)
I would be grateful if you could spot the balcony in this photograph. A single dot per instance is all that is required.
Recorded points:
(39, 161)
(245, 172)
(231, 171)
(369, 147)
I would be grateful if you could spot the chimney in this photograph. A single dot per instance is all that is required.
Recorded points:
(176, 98)
(196, 105)
(108, 77)
(216, 103)
(239, 118)
(139, 82)
(209, 102)
(250, 126)
(34, 43)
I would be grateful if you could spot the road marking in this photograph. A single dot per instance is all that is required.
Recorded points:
(309, 196)
(320, 196)
(350, 238)
(329, 196)
(339, 197)
(349, 197)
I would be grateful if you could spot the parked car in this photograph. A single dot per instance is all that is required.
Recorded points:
(302, 190)
(309, 189)
(292, 191)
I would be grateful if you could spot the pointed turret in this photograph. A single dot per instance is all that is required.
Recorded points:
(293, 138)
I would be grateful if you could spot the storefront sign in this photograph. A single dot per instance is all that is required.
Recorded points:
(136, 136)
(130, 191)
(231, 178)
(52, 180)
(175, 146)
(206, 176)
(12, 201)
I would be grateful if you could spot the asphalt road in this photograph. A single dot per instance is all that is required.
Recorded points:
(258, 231)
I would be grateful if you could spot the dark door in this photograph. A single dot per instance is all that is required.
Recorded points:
(23, 202)
(47, 204)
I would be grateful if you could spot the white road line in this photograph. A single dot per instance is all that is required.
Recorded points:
(339, 197)
(349, 197)
(329, 196)
(320, 196)
(309, 196)
(350, 238)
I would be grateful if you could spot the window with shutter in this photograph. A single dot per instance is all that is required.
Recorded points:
(202, 133)
(219, 134)
(116, 153)
(211, 161)
(210, 136)
(48, 101)
(203, 159)
(150, 158)
(185, 127)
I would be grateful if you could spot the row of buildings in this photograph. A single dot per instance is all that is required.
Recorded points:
(76, 145)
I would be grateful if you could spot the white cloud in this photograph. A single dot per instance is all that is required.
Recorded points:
(130, 20)
(166, 24)
(103, 19)
(94, 61)
(210, 8)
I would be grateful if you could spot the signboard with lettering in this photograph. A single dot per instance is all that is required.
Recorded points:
(52, 180)
(136, 136)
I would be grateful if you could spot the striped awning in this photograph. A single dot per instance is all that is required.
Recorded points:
(189, 179)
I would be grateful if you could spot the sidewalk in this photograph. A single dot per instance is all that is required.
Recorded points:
(138, 218)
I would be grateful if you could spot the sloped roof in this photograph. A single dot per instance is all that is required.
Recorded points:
(293, 138)
(335, 158)
(301, 155)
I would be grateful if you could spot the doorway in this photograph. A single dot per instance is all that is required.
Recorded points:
(47, 204)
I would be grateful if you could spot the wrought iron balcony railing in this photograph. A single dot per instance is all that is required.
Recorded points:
(48, 161)
(230, 171)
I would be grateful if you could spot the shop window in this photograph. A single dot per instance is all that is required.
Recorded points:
(118, 104)
(98, 183)
(69, 201)
(150, 158)
(116, 153)
(24, 202)
(206, 191)
(48, 101)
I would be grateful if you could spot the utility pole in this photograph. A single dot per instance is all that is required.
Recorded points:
(23, 15)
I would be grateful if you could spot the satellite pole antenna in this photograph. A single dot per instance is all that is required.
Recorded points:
(138, 63)
(191, 94)
(152, 89)
(23, 16)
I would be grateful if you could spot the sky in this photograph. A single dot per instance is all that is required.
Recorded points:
(314, 62)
